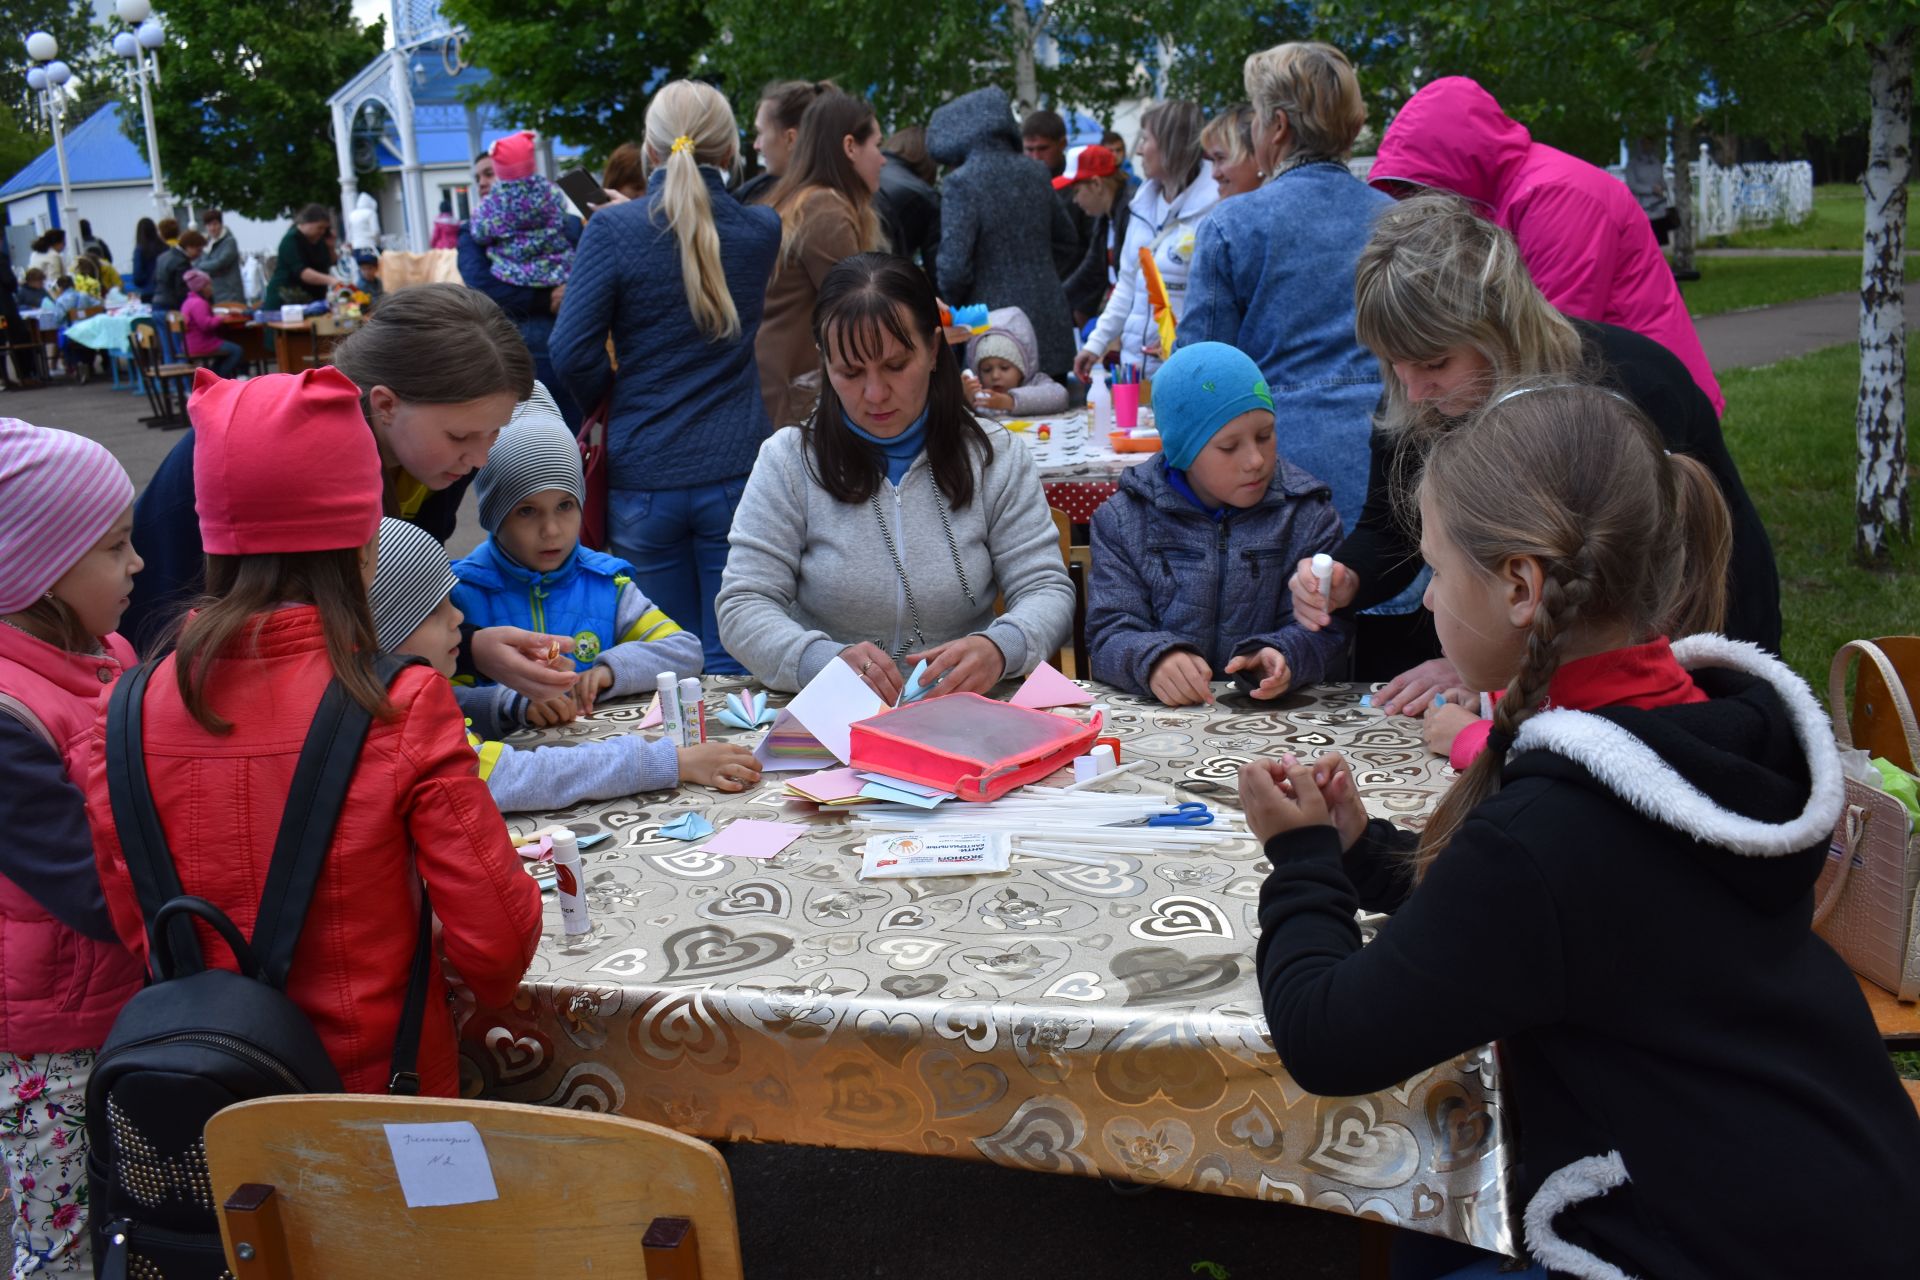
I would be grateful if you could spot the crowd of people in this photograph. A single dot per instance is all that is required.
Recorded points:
(1469, 382)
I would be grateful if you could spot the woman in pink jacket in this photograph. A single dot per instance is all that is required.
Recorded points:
(1581, 232)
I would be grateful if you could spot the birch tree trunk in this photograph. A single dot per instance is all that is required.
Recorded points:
(1026, 82)
(1880, 416)
(1682, 194)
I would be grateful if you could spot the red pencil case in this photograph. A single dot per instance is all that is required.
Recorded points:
(975, 747)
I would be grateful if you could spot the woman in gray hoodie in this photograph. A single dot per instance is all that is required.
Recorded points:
(881, 531)
(1005, 240)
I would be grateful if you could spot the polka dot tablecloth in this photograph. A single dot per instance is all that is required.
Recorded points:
(1080, 498)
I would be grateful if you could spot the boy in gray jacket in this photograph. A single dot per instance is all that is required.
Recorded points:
(1191, 558)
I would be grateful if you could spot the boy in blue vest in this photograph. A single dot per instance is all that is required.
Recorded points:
(532, 571)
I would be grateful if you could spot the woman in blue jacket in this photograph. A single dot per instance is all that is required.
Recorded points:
(680, 281)
(1273, 270)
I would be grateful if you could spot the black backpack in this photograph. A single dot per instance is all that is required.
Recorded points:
(196, 1039)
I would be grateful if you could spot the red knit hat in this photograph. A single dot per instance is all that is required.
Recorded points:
(513, 156)
(284, 462)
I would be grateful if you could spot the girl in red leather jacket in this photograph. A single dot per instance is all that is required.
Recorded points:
(226, 714)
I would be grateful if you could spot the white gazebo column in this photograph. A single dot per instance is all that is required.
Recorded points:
(343, 153)
(413, 185)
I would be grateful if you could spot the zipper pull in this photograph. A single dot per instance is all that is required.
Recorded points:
(1253, 564)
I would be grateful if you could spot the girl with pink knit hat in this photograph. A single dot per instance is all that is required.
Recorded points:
(522, 223)
(66, 566)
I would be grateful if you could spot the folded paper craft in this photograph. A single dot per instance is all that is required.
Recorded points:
(1046, 687)
(653, 718)
(749, 712)
(812, 730)
(688, 826)
(913, 690)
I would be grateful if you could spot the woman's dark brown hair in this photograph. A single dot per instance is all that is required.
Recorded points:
(865, 300)
(819, 173)
(54, 239)
(910, 146)
(626, 168)
(437, 344)
(243, 591)
(791, 98)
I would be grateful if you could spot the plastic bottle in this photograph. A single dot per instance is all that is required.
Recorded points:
(1100, 404)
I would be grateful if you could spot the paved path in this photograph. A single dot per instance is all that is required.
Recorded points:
(1766, 335)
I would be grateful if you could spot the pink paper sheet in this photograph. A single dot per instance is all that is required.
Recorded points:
(1046, 687)
(652, 719)
(829, 785)
(753, 838)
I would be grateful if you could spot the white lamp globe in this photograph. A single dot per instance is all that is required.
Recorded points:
(42, 46)
(152, 34)
(133, 11)
(36, 79)
(58, 73)
(125, 45)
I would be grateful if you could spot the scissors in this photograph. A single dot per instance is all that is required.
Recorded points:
(1188, 814)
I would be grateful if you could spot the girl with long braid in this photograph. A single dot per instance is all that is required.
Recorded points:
(1618, 891)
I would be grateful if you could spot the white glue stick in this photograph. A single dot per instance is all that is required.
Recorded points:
(570, 888)
(1104, 761)
(1323, 574)
(693, 713)
(668, 685)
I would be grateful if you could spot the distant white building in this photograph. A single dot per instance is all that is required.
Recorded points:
(112, 190)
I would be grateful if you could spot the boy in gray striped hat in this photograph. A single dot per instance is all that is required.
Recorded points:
(412, 614)
(532, 572)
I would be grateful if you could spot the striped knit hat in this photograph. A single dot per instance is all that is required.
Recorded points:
(535, 452)
(410, 581)
(59, 494)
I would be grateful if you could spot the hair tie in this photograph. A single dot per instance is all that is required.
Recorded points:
(681, 143)
(1500, 741)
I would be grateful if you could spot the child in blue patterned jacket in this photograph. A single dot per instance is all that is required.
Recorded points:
(412, 614)
(532, 571)
(1191, 557)
(522, 222)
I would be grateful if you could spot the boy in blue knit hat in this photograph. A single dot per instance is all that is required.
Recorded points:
(1191, 557)
(532, 571)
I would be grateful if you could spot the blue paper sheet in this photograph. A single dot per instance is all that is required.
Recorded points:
(688, 826)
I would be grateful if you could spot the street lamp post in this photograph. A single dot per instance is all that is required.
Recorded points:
(141, 44)
(48, 78)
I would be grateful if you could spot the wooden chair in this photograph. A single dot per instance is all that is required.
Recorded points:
(1079, 559)
(167, 383)
(25, 339)
(307, 1187)
(177, 334)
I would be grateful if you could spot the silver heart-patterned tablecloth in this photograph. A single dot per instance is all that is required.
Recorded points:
(1071, 1019)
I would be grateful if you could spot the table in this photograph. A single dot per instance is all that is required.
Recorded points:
(105, 332)
(1078, 473)
(1099, 1021)
(292, 354)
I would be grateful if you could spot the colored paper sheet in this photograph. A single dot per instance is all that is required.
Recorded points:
(754, 838)
(1046, 687)
(830, 786)
(652, 719)
(901, 784)
(825, 711)
(893, 795)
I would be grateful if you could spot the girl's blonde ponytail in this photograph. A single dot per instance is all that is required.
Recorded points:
(690, 124)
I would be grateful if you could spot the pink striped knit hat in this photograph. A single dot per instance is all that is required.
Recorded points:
(59, 493)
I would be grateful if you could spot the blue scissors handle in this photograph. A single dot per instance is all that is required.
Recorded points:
(1190, 813)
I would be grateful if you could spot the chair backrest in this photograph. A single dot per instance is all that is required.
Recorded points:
(1072, 660)
(577, 1193)
(176, 323)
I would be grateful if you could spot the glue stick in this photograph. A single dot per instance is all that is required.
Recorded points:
(668, 685)
(693, 713)
(1103, 758)
(570, 887)
(1323, 573)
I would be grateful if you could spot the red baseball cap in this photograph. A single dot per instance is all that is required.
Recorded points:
(1085, 164)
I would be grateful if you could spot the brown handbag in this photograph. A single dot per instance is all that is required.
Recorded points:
(1867, 907)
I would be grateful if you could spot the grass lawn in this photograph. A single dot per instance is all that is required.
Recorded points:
(1730, 284)
(1790, 427)
(1839, 216)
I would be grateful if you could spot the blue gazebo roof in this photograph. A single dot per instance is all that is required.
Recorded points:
(99, 153)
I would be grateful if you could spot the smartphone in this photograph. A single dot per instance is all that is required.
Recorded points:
(582, 188)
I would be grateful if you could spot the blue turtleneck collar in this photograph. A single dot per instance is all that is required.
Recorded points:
(900, 450)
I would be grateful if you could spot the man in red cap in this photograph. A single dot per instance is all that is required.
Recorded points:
(1096, 186)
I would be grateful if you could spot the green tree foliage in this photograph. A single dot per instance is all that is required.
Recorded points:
(69, 23)
(241, 108)
(582, 69)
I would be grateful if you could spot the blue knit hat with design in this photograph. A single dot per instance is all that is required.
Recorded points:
(1199, 390)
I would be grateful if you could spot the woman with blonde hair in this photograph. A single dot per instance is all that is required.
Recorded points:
(1443, 298)
(1227, 143)
(678, 280)
(1273, 270)
(826, 207)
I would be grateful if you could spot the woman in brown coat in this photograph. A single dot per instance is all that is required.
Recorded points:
(825, 202)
